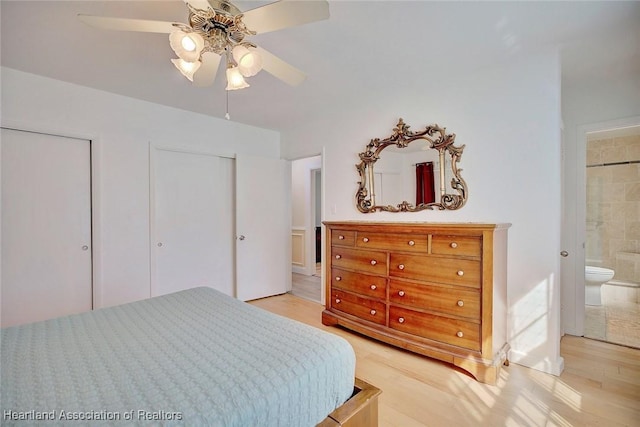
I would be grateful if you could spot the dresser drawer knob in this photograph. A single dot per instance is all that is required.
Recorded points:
(373, 287)
(338, 300)
(460, 303)
(374, 262)
(453, 245)
(401, 320)
(338, 256)
(341, 237)
(411, 243)
(460, 273)
(401, 293)
(338, 278)
(365, 239)
(373, 312)
(401, 266)
(459, 334)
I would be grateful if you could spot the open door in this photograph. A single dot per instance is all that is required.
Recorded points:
(263, 226)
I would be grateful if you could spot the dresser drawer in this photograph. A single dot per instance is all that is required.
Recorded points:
(456, 245)
(343, 238)
(359, 283)
(363, 308)
(442, 329)
(453, 271)
(456, 300)
(398, 242)
(356, 259)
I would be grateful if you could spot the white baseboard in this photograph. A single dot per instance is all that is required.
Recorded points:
(553, 367)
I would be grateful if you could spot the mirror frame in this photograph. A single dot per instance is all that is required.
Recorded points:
(401, 138)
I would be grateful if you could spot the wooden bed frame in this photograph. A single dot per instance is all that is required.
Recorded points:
(361, 410)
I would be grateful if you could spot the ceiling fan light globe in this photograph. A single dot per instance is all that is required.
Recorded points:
(188, 69)
(248, 60)
(235, 80)
(187, 46)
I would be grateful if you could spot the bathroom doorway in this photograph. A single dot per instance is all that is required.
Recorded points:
(306, 203)
(612, 236)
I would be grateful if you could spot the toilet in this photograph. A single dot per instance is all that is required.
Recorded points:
(595, 277)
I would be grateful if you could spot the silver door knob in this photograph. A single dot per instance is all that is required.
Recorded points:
(241, 237)
(85, 248)
(564, 253)
(159, 244)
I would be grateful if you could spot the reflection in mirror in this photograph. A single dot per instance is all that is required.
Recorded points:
(416, 167)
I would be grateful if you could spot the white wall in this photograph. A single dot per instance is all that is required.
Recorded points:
(121, 129)
(301, 171)
(595, 101)
(509, 119)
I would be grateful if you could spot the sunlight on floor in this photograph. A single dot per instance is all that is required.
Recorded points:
(525, 406)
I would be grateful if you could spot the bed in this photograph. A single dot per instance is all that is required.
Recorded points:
(195, 357)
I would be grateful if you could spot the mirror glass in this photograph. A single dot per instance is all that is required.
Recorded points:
(411, 171)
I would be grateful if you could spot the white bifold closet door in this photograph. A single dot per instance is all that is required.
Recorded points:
(46, 226)
(192, 221)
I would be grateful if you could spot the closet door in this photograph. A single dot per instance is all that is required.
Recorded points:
(46, 226)
(263, 224)
(192, 221)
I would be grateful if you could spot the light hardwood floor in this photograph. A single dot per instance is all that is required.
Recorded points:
(307, 287)
(600, 385)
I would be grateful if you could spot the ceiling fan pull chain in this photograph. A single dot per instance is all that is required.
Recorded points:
(227, 116)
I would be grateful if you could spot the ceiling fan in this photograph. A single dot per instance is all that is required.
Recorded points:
(218, 29)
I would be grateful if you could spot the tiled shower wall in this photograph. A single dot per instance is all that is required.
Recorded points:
(613, 206)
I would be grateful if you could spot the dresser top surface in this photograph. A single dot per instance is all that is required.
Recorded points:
(419, 224)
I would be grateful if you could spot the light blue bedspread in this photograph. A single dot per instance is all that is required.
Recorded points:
(195, 357)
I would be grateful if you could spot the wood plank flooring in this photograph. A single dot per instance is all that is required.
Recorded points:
(307, 287)
(600, 385)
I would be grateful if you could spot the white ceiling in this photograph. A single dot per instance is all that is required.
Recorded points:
(366, 52)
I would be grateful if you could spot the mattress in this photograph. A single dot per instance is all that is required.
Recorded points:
(195, 357)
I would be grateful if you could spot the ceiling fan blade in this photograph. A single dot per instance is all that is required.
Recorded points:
(284, 14)
(280, 69)
(124, 24)
(206, 74)
(199, 4)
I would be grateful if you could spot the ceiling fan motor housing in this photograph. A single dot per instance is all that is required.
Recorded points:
(218, 26)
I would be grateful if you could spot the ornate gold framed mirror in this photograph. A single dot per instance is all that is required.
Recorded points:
(416, 166)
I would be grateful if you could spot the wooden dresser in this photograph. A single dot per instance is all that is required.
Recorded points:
(439, 290)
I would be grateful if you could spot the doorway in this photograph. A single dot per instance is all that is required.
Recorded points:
(306, 231)
(612, 251)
